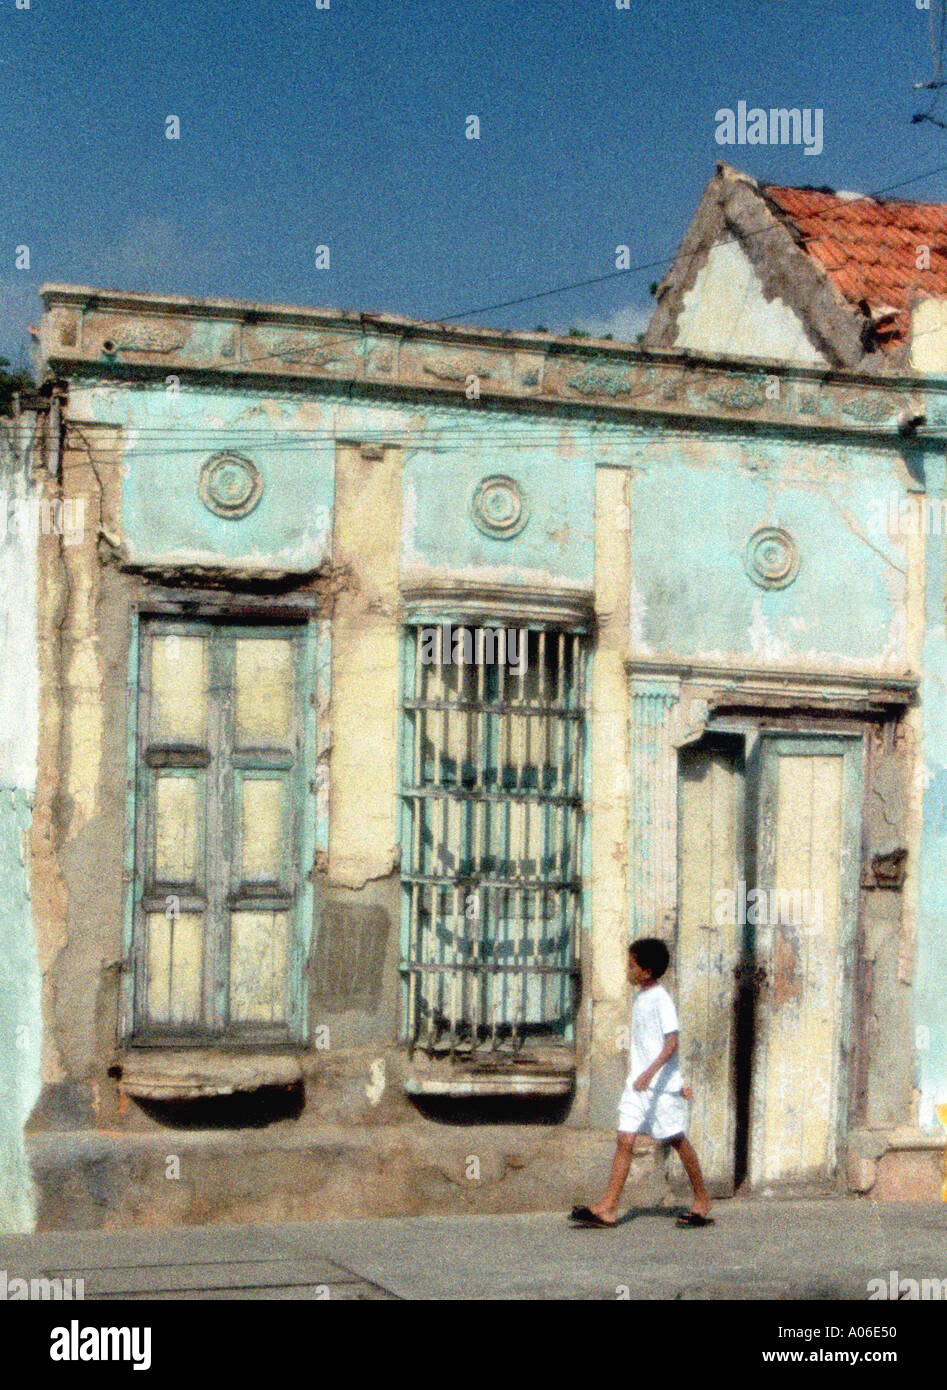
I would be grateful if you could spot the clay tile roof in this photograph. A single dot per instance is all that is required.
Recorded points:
(869, 248)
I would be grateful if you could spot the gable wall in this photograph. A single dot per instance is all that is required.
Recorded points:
(725, 311)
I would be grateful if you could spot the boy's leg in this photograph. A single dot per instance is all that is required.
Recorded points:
(607, 1208)
(688, 1156)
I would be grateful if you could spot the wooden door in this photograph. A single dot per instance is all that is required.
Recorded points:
(800, 937)
(221, 925)
(710, 945)
(768, 876)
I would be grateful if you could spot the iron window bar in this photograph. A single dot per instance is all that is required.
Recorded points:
(493, 801)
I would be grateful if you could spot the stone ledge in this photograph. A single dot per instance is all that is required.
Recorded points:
(909, 1137)
(95, 1179)
(498, 1084)
(542, 1070)
(189, 1075)
(901, 1164)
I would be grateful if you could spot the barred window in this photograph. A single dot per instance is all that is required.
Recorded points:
(494, 736)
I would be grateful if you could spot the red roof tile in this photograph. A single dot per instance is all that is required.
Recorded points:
(869, 247)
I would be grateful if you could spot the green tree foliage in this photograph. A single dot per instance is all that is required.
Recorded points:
(17, 379)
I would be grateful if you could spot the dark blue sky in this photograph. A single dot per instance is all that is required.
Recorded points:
(345, 126)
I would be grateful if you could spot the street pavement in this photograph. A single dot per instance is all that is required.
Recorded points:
(823, 1248)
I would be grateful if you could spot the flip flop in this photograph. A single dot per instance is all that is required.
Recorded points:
(585, 1216)
(694, 1218)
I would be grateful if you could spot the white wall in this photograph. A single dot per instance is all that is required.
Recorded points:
(19, 969)
(725, 311)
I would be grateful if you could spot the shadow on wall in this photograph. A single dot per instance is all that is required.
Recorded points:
(494, 1110)
(242, 1110)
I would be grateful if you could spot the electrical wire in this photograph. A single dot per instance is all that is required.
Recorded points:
(286, 354)
(305, 440)
(937, 82)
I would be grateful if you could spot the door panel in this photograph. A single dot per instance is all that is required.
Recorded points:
(801, 928)
(709, 944)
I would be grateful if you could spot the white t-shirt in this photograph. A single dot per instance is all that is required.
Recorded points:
(653, 1015)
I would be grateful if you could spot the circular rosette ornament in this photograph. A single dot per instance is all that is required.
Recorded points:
(230, 485)
(499, 507)
(771, 557)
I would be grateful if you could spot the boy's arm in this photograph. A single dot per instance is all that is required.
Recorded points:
(665, 1055)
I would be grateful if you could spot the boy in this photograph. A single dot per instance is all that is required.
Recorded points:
(654, 1100)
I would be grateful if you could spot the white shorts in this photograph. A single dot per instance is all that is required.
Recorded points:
(662, 1114)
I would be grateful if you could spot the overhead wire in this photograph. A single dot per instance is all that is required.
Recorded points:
(293, 438)
(936, 84)
(287, 354)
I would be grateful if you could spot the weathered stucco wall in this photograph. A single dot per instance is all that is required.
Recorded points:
(20, 455)
(355, 984)
(931, 956)
(362, 499)
(644, 481)
(552, 462)
(929, 336)
(725, 311)
(169, 432)
(78, 832)
(606, 933)
(691, 597)
(671, 576)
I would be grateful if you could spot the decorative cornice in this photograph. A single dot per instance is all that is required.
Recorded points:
(113, 336)
(492, 603)
(748, 684)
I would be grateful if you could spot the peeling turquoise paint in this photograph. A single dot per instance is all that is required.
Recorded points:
(553, 467)
(693, 515)
(930, 970)
(19, 1012)
(292, 437)
(170, 434)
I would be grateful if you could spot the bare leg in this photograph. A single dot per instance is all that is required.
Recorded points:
(607, 1208)
(688, 1156)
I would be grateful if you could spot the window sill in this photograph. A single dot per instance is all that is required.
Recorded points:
(548, 1072)
(188, 1074)
(499, 1085)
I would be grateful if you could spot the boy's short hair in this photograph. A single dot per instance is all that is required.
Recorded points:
(651, 954)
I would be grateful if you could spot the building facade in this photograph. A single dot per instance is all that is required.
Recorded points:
(396, 676)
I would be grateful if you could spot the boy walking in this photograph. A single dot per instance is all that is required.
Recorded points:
(655, 1099)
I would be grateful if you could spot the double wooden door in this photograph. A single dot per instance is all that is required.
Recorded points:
(768, 876)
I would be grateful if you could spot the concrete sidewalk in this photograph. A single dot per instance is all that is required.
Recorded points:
(817, 1249)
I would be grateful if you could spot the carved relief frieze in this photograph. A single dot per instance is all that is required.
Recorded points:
(418, 356)
(302, 349)
(144, 337)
